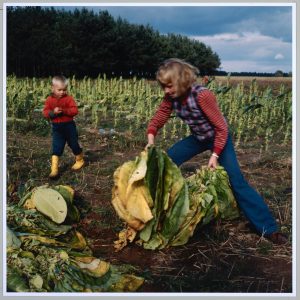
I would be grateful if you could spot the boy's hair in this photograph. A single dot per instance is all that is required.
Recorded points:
(178, 72)
(60, 78)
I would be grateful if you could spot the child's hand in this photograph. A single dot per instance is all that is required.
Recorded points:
(150, 141)
(57, 110)
(148, 146)
(213, 162)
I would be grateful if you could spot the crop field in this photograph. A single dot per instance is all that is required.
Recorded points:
(223, 256)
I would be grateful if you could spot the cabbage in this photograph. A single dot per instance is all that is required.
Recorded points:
(56, 270)
(131, 199)
(177, 205)
(51, 203)
(47, 198)
(68, 194)
(44, 256)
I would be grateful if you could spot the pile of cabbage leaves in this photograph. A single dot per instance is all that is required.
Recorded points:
(45, 253)
(160, 207)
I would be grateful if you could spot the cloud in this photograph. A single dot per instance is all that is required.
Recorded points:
(273, 21)
(279, 56)
(249, 37)
(252, 66)
(250, 51)
(276, 23)
(227, 37)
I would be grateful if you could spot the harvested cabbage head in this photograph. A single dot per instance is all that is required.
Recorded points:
(50, 203)
(161, 207)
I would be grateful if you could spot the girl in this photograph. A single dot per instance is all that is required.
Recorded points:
(198, 108)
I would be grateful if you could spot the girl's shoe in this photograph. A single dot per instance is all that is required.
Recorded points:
(277, 238)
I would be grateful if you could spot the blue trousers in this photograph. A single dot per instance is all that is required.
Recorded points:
(63, 133)
(249, 201)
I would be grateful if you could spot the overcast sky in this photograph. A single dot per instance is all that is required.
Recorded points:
(246, 38)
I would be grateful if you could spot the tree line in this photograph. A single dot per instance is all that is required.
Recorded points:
(278, 73)
(45, 41)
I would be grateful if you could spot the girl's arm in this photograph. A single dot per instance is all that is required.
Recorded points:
(209, 106)
(159, 119)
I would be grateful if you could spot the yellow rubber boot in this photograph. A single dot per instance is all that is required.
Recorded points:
(54, 166)
(79, 162)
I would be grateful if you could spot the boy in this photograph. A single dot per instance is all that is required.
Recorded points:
(61, 108)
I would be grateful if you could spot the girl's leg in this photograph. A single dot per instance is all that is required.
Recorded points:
(72, 138)
(250, 202)
(186, 148)
(58, 140)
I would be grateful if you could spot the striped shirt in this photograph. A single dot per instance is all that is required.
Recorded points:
(209, 106)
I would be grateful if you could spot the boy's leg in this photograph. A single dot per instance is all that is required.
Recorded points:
(58, 140)
(186, 148)
(58, 144)
(250, 202)
(72, 138)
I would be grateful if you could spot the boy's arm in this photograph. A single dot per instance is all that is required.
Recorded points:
(71, 109)
(47, 111)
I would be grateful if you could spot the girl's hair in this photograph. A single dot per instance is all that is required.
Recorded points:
(60, 78)
(178, 72)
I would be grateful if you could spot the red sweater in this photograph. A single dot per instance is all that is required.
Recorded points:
(209, 106)
(66, 103)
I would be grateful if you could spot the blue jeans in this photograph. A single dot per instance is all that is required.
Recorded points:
(249, 201)
(63, 133)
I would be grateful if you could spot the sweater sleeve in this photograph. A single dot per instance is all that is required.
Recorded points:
(160, 117)
(209, 106)
(47, 111)
(71, 109)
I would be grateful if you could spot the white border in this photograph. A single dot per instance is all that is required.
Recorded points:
(4, 175)
(146, 4)
(294, 152)
(293, 5)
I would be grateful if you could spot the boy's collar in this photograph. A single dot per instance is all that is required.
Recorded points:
(52, 95)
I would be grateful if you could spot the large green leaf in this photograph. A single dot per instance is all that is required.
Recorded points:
(32, 221)
(15, 281)
(177, 214)
(173, 182)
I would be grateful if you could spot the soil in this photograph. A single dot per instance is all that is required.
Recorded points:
(220, 257)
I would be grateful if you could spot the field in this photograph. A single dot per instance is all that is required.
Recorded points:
(222, 256)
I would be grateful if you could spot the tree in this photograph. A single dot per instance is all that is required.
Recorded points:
(45, 41)
(278, 73)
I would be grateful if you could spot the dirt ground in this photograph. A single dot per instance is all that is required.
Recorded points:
(220, 257)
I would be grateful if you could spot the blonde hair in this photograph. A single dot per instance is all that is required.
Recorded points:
(178, 72)
(60, 78)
